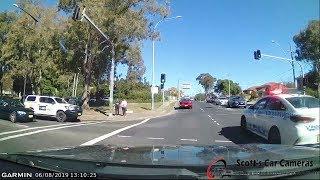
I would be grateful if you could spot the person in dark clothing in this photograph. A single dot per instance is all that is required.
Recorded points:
(117, 107)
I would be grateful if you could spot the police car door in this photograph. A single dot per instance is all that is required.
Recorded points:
(275, 115)
(258, 116)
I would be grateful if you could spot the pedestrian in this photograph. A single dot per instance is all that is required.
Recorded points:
(117, 107)
(123, 106)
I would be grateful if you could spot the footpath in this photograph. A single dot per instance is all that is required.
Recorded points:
(133, 113)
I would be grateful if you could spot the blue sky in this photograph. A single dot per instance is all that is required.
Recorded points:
(219, 37)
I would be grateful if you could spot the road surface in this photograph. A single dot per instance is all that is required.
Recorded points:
(205, 124)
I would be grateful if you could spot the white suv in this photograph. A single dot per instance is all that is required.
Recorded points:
(52, 107)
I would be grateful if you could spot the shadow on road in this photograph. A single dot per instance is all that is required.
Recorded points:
(238, 136)
(54, 119)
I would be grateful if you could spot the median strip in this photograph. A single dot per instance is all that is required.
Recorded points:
(103, 137)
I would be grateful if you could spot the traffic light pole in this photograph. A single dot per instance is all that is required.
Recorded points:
(290, 60)
(111, 87)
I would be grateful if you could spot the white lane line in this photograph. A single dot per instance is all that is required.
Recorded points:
(98, 139)
(201, 109)
(44, 130)
(154, 138)
(39, 127)
(222, 141)
(124, 136)
(188, 139)
(218, 124)
(228, 114)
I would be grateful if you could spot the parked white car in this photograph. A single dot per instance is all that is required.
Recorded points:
(284, 119)
(52, 107)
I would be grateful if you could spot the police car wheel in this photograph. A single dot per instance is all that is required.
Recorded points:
(274, 136)
(13, 117)
(61, 116)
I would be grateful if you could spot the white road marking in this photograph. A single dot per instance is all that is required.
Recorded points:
(209, 116)
(201, 109)
(22, 125)
(39, 127)
(215, 121)
(218, 124)
(44, 130)
(228, 114)
(154, 138)
(188, 139)
(124, 136)
(98, 139)
(222, 141)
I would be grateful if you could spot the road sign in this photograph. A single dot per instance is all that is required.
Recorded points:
(155, 90)
(186, 86)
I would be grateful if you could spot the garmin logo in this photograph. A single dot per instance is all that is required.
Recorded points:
(16, 175)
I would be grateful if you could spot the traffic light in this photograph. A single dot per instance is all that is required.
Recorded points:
(305, 81)
(163, 78)
(162, 86)
(257, 54)
(76, 13)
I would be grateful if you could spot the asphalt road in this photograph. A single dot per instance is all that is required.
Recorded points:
(205, 124)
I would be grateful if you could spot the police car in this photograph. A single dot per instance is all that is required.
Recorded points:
(284, 119)
(49, 106)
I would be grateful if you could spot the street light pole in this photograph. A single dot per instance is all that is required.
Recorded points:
(292, 62)
(153, 58)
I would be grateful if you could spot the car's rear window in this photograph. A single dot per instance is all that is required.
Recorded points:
(304, 102)
(31, 98)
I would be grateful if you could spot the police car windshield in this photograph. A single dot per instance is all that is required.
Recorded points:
(60, 100)
(304, 102)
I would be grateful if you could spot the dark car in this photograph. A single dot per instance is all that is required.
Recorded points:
(185, 103)
(237, 101)
(76, 101)
(14, 110)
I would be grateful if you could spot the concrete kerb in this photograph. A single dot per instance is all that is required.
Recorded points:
(110, 119)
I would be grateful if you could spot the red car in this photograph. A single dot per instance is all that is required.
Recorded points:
(185, 103)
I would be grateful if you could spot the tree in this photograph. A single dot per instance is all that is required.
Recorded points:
(174, 92)
(126, 23)
(200, 97)
(308, 46)
(6, 20)
(206, 81)
(32, 49)
(222, 86)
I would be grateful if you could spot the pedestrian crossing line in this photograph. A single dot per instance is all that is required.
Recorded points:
(201, 109)
(189, 140)
(218, 124)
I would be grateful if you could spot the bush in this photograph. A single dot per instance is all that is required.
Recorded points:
(312, 92)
